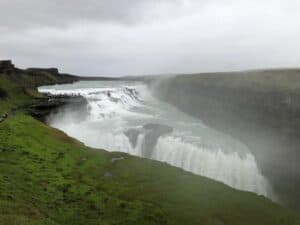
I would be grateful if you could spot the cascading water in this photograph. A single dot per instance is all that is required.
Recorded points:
(125, 117)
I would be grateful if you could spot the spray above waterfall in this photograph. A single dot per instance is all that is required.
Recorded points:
(126, 117)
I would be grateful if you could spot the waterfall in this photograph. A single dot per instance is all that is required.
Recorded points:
(126, 118)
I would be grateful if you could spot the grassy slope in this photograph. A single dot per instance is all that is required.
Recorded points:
(19, 89)
(283, 81)
(47, 177)
(14, 95)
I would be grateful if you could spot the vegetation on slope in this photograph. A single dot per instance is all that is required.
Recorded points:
(47, 177)
(281, 80)
(13, 95)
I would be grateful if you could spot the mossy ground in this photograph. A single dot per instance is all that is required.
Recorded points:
(47, 177)
(15, 95)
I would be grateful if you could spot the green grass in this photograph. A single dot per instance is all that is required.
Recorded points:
(16, 95)
(47, 177)
(284, 80)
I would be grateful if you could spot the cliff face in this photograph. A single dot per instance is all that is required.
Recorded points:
(6, 66)
(41, 70)
(261, 109)
(18, 88)
(34, 77)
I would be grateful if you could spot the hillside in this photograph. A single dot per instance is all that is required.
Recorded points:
(49, 178)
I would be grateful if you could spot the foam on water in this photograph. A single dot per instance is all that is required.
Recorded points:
(115, 109)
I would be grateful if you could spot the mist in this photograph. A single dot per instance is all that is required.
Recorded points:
(251, 107)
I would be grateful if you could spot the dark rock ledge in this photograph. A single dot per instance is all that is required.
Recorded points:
(52, 103)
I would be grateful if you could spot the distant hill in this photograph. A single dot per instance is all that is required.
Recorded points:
(261, 108)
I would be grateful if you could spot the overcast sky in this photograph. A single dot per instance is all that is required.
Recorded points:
(120, 37)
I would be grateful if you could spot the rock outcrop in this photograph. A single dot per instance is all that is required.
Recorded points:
(152, 132)
(6, 66)
(51, 104)
(34, 77)
(53, 71)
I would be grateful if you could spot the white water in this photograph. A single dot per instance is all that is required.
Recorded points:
(115, 118)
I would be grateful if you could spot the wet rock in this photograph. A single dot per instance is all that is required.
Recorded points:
(153, 132)
(53, 103)
(132, 135)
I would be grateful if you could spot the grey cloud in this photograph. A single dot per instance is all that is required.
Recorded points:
(149, 37)
(20, 14)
